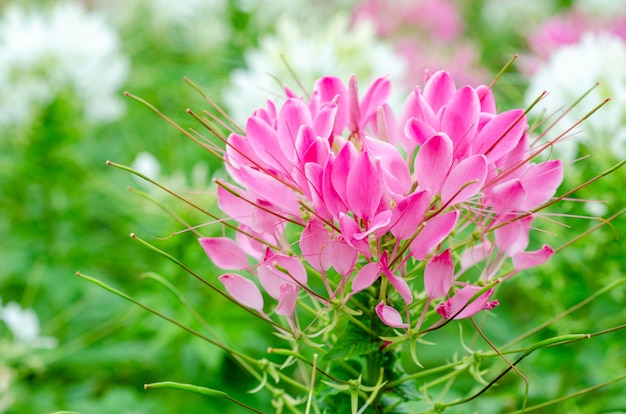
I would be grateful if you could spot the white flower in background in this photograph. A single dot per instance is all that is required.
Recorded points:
(516, 15)
(147, 164)
(44, 53)
(190, 26)
(598, 57)
(333, 48)
(24, 325)
(605, 8)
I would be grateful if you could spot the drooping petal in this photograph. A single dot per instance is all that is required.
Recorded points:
(465, 180)
(512, 238)
(224, 252)
(434, 232)
(243, 290)
(314, 245)
(390, 317)
(287, 301)
(438, 275)
(432, 162)
(452, 306)
(342, 256)
(365, 277)
(397, 282)
(475, 254)
(525, 260)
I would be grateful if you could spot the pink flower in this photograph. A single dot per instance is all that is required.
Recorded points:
(459, 306)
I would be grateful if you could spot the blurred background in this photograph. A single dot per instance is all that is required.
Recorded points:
(66, 344)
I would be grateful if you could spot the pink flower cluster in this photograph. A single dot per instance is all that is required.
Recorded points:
(372, 195)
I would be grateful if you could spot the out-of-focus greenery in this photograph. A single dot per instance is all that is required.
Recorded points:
(63, 210)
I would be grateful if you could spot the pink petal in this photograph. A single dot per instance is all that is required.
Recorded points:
(314, 245)
(460, 119)
(541, 182)
(439, 89)
(243, 291)
(396, 171)
(366, 277)
(342, 256)
(475, 254)
(397, 282)
(271, 190)
(438, 275)
(287, 301)
(224, 253)
(434, 232)
(465, 180)
(349, 228)
(433, 162)
(512, 238)
(389, 316)
(378, 222)
(408, 214)
(452, 306)
(293, 114)
(263, 140)
(525, 260)
(419, 131)
(330, 88)
(507, 196)
(500, 135)
(324, 121)
(364, 189)
(376, 96)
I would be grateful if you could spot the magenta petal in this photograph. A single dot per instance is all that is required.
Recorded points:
(234, 206)
(507, 196)
(438, 275)
(439, 89)
(460, 119)
(433, 162)
(288, 297)
(366, 277)
(271, 190)
(389, 316)
(512, 238)
(376, 96)
(397, 282)
(378, 222)
(349, 228)
(364, 189)
(465, 180)
(525, 260)
(224, 252)
(331, 88)
(475, 254)
(243, 291)
(324, 121)
(263, 140)
(408, 214)
(500, 135)
(396, 171)
(314, 245)
(434, 232)
(419, 131)
(452, 306)
(293, 114)
(342, 256)
(543, 180)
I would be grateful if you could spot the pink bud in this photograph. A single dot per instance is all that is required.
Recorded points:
(438, 275)
(389, 316)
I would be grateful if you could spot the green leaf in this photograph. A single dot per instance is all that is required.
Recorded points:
(353, 341)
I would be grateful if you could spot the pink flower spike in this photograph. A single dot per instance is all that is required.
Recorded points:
(525, 260)
(366, 277)
(389, 316)
(434, 232)
(224, 252)
(243, 291)
(452, 306)
(438, 275)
